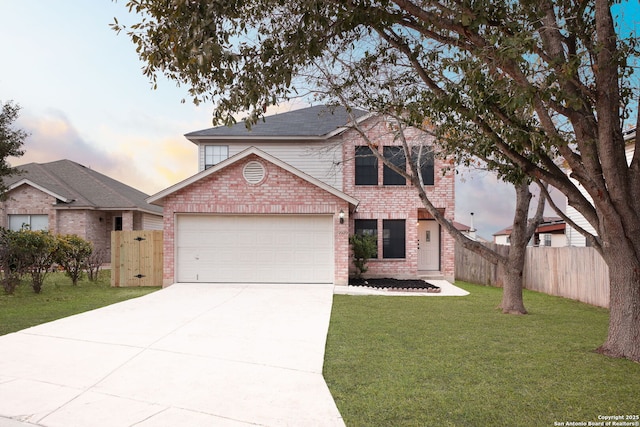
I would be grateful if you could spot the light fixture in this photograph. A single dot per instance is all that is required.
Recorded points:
(341, 216)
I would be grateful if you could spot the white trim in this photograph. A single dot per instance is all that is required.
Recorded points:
(38, 187)
(157, 198)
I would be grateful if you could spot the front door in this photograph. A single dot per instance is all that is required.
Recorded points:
(428, 245)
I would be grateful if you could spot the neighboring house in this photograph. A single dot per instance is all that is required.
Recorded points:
(277, 203)
(503, 237)
(574, 238)
(469, 231)
(550, 233)
(65, 197)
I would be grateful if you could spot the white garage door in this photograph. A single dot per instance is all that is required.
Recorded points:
(254, 249)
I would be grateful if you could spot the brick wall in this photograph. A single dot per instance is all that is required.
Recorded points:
(280, 192)
(398, 202)
(27, 200)
(94, 226)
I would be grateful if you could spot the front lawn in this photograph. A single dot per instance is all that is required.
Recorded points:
(59, 298)
(457, 361)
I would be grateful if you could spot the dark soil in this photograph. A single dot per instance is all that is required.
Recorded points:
(396, 284)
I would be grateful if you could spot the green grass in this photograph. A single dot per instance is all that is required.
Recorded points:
(59, 299)
(457, 361)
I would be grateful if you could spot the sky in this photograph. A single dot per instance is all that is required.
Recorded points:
(83, 97)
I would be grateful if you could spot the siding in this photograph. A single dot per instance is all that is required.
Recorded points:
(321, 160)
(558, 240)
(574, 238)
(152, 222)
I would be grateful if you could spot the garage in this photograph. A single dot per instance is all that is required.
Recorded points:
(254, 248)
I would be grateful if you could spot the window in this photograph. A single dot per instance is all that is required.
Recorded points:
(214, 154)
(547, 240)
(393, 238)
(366, 167)
(367, 227)
(31, 222)
(426, 163)
(395, 155)
(117, 223)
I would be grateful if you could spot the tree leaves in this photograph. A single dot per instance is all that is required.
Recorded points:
(11, 140)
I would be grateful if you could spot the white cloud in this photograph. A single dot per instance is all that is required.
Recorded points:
(137, 161)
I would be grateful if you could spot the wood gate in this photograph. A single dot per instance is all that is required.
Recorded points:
(136, 258)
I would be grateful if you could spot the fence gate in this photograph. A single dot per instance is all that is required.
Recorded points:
(136, 258)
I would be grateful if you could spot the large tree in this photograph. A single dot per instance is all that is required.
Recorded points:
(510, 266)
(385, 89)
(543, 84)
(11, 140)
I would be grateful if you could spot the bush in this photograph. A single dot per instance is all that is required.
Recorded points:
(37, 252)
(11, 260)
(34, 252)
(72, 254)
(364, 247)
(94, 262)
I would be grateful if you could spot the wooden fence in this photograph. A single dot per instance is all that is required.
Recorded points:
(577, 273)
(136, 258)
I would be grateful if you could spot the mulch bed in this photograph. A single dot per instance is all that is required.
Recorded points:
(409, 285)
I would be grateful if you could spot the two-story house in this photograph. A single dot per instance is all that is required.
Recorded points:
(278, 202)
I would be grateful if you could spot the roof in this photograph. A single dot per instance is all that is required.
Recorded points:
(158, 197)
(629, 135)
(79, 187)
(548, 224)
(320, 121)
(461, 227)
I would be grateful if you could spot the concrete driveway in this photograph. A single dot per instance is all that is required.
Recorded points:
(188, 355)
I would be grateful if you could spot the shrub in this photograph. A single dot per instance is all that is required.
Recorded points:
(364, 247)
(72, 254)
(36, 251)
(94, 262)
(10, 261)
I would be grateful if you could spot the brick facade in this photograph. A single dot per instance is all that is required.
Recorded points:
(380, 202)
(280, 192)
(92, 225)
(224, 190)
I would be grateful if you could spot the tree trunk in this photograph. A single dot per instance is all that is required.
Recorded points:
(511, 270)
(623, 339)
(512, 281)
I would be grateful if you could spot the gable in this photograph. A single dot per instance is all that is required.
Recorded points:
(37, 187)
(227, 178)
(27, 199)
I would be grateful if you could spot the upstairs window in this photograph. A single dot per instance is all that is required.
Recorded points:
(366, 166)
(395, 155)
(426, 163)
(214, 154)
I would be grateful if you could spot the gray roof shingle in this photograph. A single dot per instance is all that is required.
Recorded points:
(316, 121)
(83, 187)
